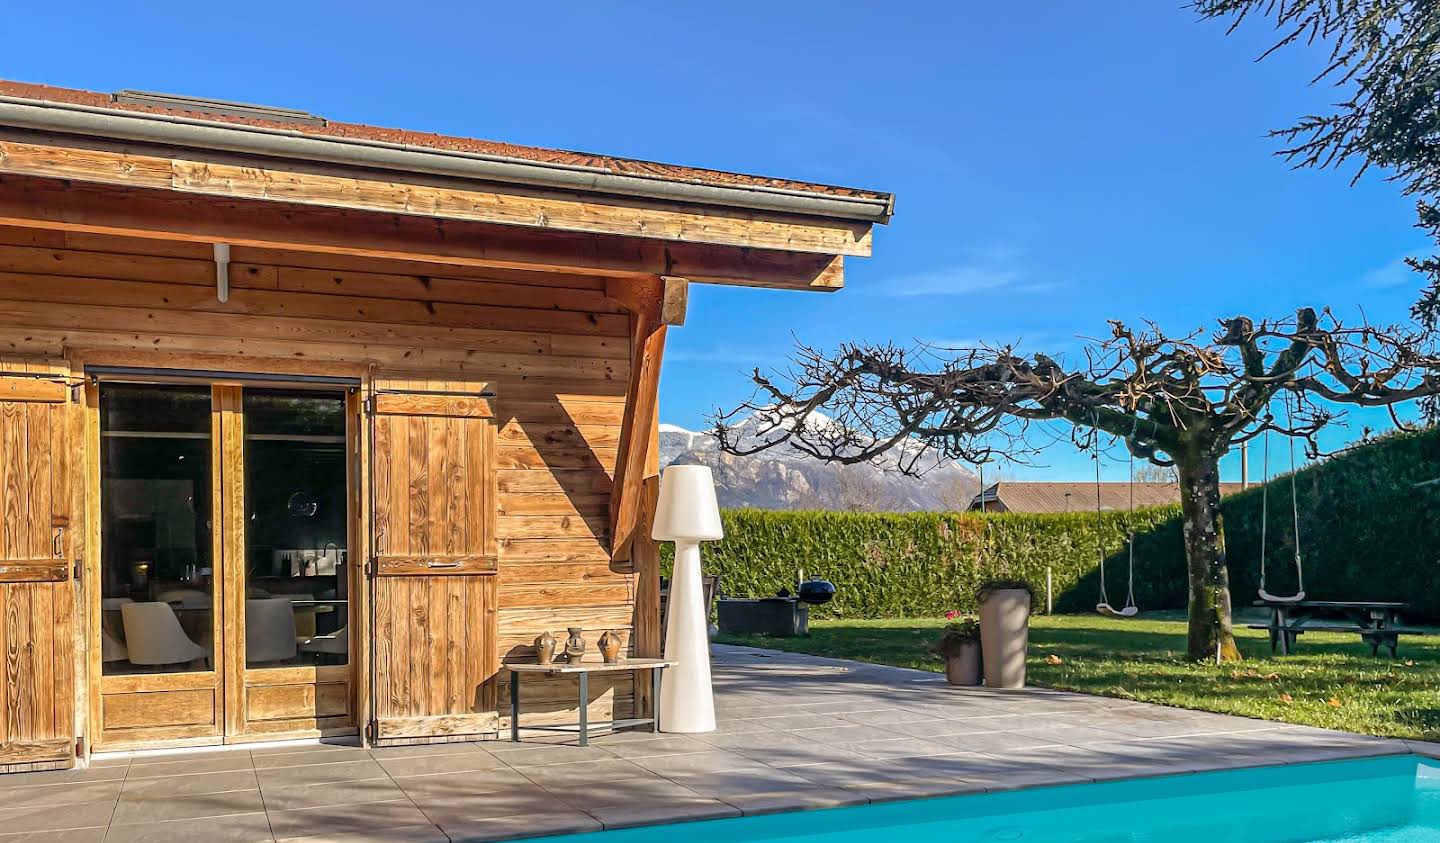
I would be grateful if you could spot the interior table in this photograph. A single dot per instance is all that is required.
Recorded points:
(582, 671)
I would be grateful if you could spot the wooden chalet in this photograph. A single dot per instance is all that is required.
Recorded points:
(306, 427)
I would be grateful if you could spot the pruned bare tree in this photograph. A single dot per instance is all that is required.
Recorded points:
(1175, 401)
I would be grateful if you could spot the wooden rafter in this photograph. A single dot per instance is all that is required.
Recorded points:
(157, 214)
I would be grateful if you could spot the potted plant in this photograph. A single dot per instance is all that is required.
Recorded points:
(959, 646)
(1004, 631)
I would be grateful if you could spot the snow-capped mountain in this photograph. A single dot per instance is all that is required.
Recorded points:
(784, 478)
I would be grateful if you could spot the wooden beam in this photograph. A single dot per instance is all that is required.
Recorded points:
(234, 177)
(164, 215)
(638, 456)
(664, 298)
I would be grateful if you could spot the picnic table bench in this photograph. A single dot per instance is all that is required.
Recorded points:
(1376, 622)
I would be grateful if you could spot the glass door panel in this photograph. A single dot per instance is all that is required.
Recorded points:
(156, 567)
(296, 529)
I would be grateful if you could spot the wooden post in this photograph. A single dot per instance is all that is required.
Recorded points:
(645, 562)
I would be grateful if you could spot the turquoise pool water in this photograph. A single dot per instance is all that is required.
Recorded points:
(1381, 800)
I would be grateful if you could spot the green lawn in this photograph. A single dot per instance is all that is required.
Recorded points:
(1332, 682)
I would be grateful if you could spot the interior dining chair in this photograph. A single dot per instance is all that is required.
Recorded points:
(153, 635)
(188, 598)
(269, 630)
(335, 643)
(112, 649)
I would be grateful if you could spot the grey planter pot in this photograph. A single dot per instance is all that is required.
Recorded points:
(1005, 636)
(963, 667)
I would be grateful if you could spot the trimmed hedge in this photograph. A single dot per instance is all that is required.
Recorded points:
(924, 563)
(1367, 533)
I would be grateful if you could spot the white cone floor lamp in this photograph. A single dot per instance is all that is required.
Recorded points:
(687, 515)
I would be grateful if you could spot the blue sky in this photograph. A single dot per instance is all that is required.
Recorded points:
(1056, 164)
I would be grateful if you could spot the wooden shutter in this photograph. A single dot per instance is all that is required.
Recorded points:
(434, 559)
(37, 600)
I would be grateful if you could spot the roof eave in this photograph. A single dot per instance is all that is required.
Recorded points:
(171, 130)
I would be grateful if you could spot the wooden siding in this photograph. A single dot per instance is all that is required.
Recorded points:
(554, 350)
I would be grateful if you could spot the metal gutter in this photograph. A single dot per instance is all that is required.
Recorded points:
(91, 121)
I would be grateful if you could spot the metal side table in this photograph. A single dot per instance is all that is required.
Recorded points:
(582, 671)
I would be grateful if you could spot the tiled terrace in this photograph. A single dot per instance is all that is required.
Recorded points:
(796, 732)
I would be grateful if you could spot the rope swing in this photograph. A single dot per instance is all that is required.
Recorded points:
(1294, 516)
(1129, 610)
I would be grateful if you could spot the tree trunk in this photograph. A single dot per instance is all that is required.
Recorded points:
(1210, 627)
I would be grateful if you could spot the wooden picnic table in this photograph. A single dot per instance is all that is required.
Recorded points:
(1377, 622)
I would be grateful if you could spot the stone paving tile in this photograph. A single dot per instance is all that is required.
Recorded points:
(427, 833)
(66, 777)
(522, 825)
(69, 835)
(884, 717)
(898, 748)
(346, 819)
(343, 771)
(37, 818)
(59, 794)
(587, 795)
(714, 761)
(146, 811)
(806, 799)
(459, 762)
(329, 755)
(557, 776)
(164, 787)
(743, 782)
(521, 755)
(237, 828)
(190, 755)
(385, 753)
(292, 797)
(671, 745)
(469, 807)
(223, 763)
(994, 741)
(447, 785)
(631, 814)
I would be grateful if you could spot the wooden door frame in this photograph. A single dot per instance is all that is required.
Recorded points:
(227, 541)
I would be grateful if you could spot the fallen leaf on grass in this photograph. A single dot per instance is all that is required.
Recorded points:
(1409, 662)
(1334, 702)
(1054, 659)
(1286, 698)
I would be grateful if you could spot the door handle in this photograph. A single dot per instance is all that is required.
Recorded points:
(58, 544)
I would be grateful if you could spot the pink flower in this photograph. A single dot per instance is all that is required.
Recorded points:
(951, 615)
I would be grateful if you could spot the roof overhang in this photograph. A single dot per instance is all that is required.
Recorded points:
(170, 130)
(164, 152)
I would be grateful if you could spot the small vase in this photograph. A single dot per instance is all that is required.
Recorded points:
(545, 645)
(574, 645)
(610, 647)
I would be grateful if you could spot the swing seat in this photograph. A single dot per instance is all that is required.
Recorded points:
(1107, 609)
(1270, 598)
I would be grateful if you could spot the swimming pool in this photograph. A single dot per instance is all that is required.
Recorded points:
(1379, 800)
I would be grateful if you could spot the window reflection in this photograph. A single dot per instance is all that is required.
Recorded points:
(157, 597)
(296, 606)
